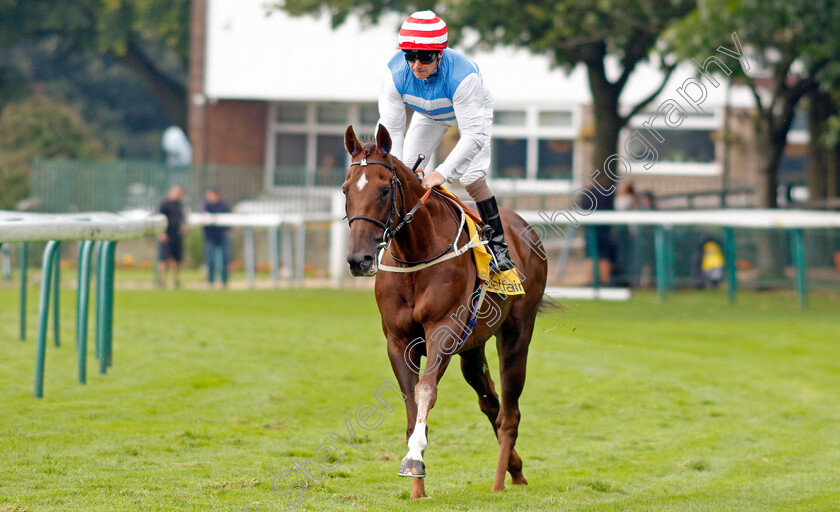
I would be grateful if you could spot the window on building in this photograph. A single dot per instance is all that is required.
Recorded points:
(291, 113)
(509, 158)
(534, 144)
(690, 149)
(555, 118)
(509, 118)
(554, 160)
(332, 166)
(370, 114)
(306, 141)
(527, 145)
(334, 114)
(290, 159)
(684, 146)
(793, 164)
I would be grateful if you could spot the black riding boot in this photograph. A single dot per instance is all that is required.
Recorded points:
(489, 211)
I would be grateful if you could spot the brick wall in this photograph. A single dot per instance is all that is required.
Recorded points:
(226, 132)
(236, 132)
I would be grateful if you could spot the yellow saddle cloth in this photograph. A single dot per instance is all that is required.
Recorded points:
(504, 283)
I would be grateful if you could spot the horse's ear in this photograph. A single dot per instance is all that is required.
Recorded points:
(351, 142)
(383, 139)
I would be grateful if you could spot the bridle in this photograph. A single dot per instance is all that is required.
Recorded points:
(396, 189)
(401, 217)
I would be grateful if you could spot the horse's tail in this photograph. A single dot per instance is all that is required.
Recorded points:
(549, 305)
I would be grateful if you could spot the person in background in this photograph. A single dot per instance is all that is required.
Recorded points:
(625, 198)
(216, 238)
(707, 263)
(627, 238)
(171, 247)
(602, 237)
(645, 253)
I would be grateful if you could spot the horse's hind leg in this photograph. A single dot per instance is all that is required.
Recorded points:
(476, 373)
(512, 345)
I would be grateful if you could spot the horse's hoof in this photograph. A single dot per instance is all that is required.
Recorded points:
(412, 468)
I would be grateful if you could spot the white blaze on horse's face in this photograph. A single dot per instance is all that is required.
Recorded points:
(362, 182)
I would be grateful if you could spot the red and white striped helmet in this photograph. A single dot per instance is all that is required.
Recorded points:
(423, 30)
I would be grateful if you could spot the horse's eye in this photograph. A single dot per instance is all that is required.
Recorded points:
(344, 190)
(384, 192)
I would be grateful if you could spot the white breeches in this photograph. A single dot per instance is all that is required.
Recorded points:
(424, 136)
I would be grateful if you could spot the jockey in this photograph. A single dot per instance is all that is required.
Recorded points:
(446, 89)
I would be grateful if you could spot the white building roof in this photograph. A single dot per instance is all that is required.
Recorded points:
(254, 53)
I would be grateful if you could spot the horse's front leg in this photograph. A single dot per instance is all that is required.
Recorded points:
(405, 358)
(425, 396)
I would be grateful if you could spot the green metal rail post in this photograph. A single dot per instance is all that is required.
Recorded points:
(670, 261)
(300, 252)
(729, 262)
(109, 327)
(287, 254)
(592, 243)
(24, 259)
(98, 263)
(105, 305)
(56, 290)
(43, 315)
(248, 255)
(797, 240)
(83, 306)
(274, 248)
(79, 291)
(661, 262)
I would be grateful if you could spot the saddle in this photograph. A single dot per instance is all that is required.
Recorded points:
(502, 283)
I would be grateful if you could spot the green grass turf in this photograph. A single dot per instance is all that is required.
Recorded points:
(688, 405)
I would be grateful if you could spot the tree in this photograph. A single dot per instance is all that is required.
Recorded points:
(149, 37)
(822, 174)
(113, 102)
(572, 32)
(39, 128)
(793, 43)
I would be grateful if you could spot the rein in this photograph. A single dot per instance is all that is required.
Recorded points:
(417, 266)
(405, 218)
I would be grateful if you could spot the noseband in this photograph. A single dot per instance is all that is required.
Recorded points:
(396, 184)
(404, 217)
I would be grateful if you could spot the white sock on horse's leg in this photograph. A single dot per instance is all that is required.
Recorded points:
(417, 442)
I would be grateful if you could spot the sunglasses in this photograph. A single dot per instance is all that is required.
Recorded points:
(424, 56)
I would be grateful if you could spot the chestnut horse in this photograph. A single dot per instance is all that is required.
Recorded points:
(417, 307)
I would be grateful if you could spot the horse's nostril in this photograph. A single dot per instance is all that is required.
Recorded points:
(360, 264)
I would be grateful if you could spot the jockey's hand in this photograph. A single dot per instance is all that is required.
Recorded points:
(432, 180)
